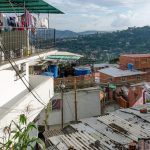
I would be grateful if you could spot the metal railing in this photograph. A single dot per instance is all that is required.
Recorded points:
(42, 39)
(19, 44)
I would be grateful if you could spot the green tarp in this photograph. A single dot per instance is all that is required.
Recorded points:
(112, 86)
(63, 57)
(33, 6)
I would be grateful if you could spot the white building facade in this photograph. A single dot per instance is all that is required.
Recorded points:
(15, 97)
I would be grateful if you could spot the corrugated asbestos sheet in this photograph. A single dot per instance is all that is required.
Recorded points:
(109, 132)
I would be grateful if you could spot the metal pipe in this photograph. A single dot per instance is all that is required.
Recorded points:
(62, 109)
(62, 87)
(75, 99)
(48, 21)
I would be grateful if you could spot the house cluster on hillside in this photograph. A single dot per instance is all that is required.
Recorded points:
(131, 79)
(133, 68)
(34, 76)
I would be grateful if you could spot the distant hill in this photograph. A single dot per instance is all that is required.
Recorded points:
(60, 34)
(105, 46)
(90, 32)
(71, 34)
(66, 34)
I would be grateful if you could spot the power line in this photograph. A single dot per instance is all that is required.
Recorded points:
(9, 59)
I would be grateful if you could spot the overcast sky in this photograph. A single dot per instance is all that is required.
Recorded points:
(101, 15)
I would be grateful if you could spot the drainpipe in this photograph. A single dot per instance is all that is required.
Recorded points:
(144, 97)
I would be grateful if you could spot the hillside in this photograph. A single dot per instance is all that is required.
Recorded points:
(106, 46)
(70, 34)
(66, 34)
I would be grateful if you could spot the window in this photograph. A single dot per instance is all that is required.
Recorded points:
(21, 69)
(139, 78)
(123, 78)
(56, 104)
(144, 61)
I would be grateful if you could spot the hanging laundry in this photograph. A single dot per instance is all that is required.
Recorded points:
(21, 23)
(1, 16)
(34, 21)
(28, 18)
(12, 21)
(21, 26)
(1, 21)
(44, 22)
(33, 30)
(5, 24)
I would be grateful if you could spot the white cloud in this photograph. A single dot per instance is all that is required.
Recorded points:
(123, 20)
(100, 14)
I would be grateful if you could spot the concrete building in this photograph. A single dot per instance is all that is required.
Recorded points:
(88, 105)
(20, 92)
(139, 61)
(16, 98)
(118, 76)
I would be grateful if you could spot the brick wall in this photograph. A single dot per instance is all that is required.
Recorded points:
(147, 76)
(104, 78)
(138, 62)
(81, 81)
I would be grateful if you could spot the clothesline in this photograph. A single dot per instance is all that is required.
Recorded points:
(23, 22)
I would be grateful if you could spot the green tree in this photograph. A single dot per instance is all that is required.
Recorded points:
(19, 138)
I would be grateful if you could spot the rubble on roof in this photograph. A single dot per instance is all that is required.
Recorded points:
(114, 131)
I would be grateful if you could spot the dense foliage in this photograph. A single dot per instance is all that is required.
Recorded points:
(109, 45)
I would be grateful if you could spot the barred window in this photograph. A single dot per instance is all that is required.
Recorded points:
(56, 104)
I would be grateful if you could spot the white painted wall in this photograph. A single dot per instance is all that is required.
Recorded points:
(9, 86)
(15, 98)
(46, 92)
(88, 105)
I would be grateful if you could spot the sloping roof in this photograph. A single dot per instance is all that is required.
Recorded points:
(33, 6)
(109, 132)
(136, 55)
(115, 72)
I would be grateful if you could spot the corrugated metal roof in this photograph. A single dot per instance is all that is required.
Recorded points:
(115, 72)
(109, 132)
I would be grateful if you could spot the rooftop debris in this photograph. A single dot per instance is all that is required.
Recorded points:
(118, 130)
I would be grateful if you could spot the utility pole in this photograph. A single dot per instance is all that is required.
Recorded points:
(75, 98)
(62, 109)
(62, 87)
